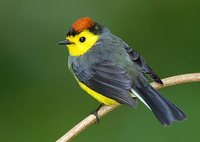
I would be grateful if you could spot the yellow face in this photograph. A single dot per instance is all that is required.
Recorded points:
(82, 42)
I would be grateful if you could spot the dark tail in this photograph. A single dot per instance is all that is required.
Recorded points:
(165, 111)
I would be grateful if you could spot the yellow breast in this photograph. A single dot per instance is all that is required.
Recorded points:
(98, 96)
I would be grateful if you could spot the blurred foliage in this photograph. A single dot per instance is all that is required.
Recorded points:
(39, 98)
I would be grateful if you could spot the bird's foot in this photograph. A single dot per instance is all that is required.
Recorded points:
(95, 112)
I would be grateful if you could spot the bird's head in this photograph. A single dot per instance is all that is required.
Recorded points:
(82, 36)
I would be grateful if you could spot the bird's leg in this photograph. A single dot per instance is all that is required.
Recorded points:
(95, 112)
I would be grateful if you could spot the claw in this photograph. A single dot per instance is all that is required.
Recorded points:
(95, 112)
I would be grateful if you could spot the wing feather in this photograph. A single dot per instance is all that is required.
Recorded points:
(109, 80)
(142, 65)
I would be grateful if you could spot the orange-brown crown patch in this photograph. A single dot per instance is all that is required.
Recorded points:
(83, 23)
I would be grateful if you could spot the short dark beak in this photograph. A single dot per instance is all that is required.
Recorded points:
(65, 42)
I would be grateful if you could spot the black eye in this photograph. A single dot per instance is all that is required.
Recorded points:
(82, 39)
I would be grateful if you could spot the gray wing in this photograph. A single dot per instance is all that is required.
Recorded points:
(142, 65)
(110, 80)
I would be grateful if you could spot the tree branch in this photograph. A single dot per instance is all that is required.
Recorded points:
(89, 120)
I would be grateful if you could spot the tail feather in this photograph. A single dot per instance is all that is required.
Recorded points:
(165, 111)
(178, 114)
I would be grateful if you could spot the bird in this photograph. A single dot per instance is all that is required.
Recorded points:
(112, 72)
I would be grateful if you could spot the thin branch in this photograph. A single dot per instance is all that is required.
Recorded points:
(89, 120)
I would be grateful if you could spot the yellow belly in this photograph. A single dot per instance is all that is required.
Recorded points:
(97, 96)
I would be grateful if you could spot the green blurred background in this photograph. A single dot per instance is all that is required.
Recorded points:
(39, 98)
